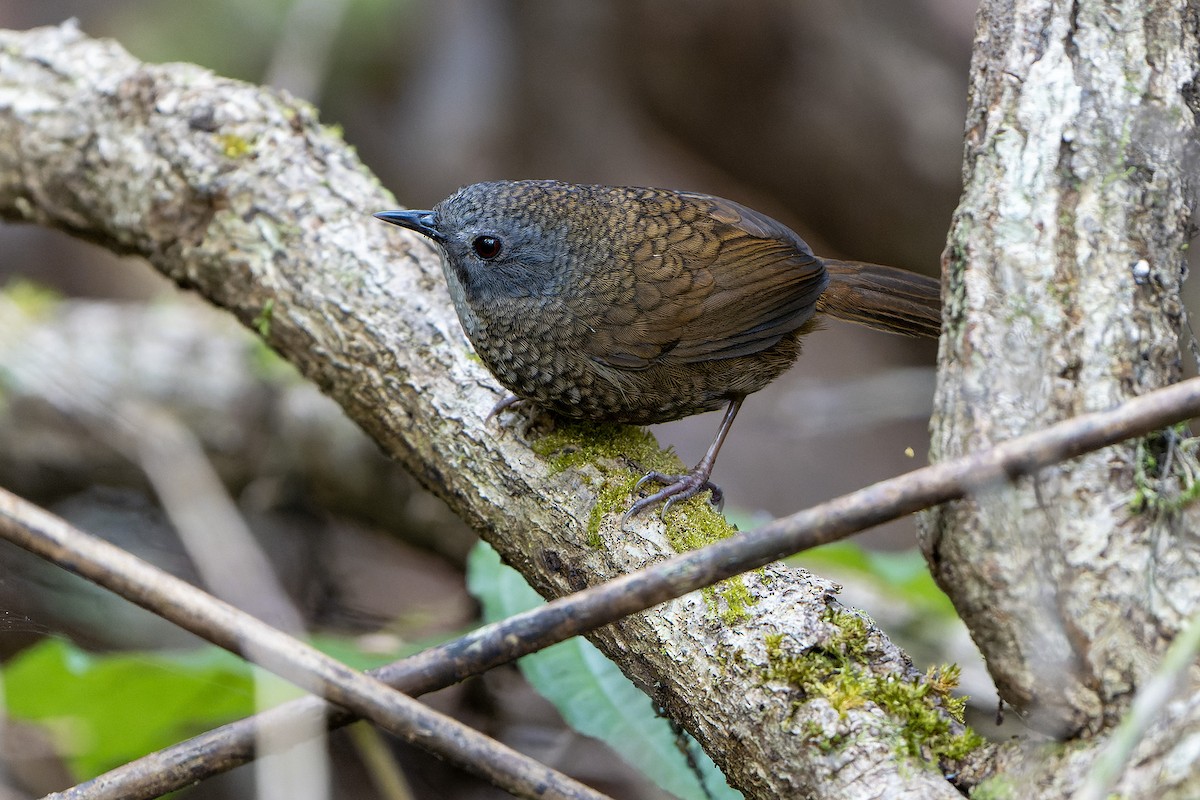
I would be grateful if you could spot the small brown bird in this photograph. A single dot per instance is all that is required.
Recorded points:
(633, 305)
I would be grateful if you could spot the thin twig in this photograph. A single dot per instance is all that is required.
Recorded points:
(231, 745)
(52, 538)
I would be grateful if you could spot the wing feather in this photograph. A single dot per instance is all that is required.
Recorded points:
(703, 278)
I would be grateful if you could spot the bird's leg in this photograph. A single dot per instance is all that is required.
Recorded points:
(681, 487)
(507, 402)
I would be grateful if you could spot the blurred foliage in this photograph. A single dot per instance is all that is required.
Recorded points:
(902, 573)
(223, 35)
(373, 40)
(30, 297)
(104, 710)
(834, 115)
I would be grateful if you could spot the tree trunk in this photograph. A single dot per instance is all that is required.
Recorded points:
(1063, 274)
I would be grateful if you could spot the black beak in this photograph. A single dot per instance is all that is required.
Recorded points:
(423, 222)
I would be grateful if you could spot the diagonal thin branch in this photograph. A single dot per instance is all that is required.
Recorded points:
(231, 745)
(47, 536)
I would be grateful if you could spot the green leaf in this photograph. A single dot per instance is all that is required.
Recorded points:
(105, 710)
(592, 695)
(903, 573)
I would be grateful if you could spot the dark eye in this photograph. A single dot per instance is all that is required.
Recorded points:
(487, 247)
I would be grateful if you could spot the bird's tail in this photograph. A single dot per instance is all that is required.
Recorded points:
(883, 298)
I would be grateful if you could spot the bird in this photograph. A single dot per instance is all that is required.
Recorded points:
(641, 305)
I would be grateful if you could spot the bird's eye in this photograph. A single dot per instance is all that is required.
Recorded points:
(487, 247)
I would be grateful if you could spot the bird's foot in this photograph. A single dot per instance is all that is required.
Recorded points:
(508, 402)
(675, 488)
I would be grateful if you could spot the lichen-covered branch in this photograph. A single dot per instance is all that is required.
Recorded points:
(240, 194)
(1063, 271)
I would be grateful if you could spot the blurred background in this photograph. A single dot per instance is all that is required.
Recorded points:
(843, 120)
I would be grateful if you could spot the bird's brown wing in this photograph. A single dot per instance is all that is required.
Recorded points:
(705, 279)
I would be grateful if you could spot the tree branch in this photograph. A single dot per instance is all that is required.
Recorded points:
(237, 192)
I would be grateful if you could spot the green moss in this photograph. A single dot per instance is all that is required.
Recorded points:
(811, 730)
(737, 599)
(31, 297)
(930, 717)
(234, 146)
(611, 499)
(262, 322)
(825, 741)
(622, 454)
(729, 600)
(927, 711)
(853, 635)
(573, 444)
(997, 787)
(696, 523)
(1166, 471)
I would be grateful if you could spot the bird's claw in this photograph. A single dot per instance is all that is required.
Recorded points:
(507, 402)
(675, 488)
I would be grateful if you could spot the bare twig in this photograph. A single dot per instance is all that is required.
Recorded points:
(231, 745)
(107, 565)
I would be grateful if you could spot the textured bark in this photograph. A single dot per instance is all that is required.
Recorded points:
(238, 192)
(1063, 271)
